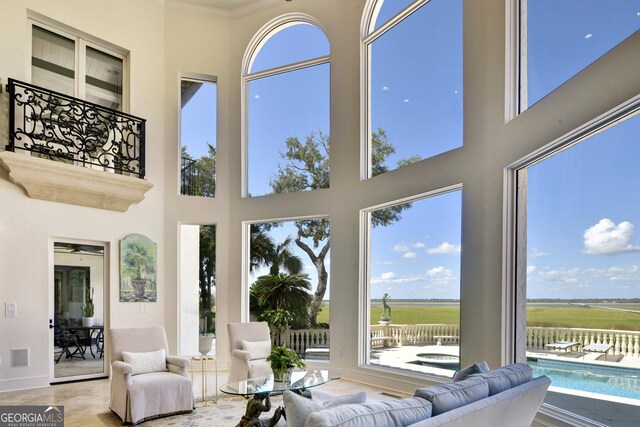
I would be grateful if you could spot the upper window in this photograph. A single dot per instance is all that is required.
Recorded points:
(287, 108)
(413, 72)
(198, 136)
(77, 67)
(561, 38)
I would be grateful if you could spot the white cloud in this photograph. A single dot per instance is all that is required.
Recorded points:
(418, 245)
(401, 247)
(588, 36)
(536, 253)
(406, 100)
(385, 87)
(409, 255)
(257, 96)
(441, 276)
(584, 276)
(531, 269)
(433, 277)
(607, 238)
(445, 248)
(389, 275)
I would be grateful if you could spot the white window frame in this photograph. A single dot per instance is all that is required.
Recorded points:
(81, 42)
(246, 257)
(364, 347)
(255, 45)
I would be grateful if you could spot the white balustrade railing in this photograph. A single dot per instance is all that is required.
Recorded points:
(626, 343)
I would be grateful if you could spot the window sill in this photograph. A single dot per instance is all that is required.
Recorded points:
(59, 182)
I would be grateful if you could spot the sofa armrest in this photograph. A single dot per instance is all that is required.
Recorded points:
(182, 362)
(122, 367)
(241, 354)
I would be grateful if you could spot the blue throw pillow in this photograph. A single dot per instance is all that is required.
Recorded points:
(476, 368)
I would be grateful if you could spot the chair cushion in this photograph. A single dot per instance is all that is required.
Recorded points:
(476, 368)
(298, 408)
(148, 361)
(391, 413)
(446, 397)
(506, 377)
(258, 349)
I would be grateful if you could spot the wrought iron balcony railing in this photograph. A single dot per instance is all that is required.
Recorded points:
(59, 127)
(188, 176)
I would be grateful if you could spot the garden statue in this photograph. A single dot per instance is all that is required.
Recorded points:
(385, 308)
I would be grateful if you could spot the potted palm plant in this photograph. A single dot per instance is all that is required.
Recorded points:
(88, 309)
(283, 360)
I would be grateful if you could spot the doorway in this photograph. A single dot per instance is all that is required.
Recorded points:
(78, 311)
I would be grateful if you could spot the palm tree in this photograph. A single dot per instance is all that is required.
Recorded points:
(282, 257)
(261, 247)
(289, 292)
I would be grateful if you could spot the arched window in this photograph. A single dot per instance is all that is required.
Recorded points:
(286, 108)
(412, 56)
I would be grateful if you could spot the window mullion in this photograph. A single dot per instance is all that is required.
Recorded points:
(81, 66)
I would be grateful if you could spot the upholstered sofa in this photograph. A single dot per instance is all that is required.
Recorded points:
(478, 397)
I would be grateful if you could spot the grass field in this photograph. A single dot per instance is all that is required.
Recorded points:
(548, 315)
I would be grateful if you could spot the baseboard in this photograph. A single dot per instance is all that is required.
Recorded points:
(24, 383)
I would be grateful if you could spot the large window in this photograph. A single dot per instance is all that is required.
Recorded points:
(289, 282)
(413, 73)
(75, 66)
(561, 38)
(287, 109)
(413, 278)
(580, 278)
(198, 136)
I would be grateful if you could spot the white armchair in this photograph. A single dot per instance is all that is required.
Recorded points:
(152, 384)
(250, 345)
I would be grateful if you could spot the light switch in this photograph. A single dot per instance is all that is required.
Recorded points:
(143, 307)
(10, 309)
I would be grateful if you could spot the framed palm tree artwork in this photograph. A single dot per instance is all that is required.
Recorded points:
(138, 265)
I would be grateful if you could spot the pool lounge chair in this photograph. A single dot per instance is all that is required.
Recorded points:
(598, 348)
(563, 345)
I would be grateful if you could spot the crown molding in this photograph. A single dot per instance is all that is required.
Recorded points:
(237, 12)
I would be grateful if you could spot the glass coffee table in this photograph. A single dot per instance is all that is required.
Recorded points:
(262, 387)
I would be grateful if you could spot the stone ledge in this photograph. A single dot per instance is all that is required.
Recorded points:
(60, 182)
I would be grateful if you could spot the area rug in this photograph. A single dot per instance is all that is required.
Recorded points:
(229, 409)
(226, 412)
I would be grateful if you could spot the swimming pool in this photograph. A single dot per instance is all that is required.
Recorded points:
(614, 381)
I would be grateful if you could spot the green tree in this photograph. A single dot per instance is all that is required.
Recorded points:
(282, 257)
(261, 247)
(207, 277)
(198, 176)
(306, 167)
(280, 294)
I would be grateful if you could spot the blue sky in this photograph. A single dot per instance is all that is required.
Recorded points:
(198, 121)
(583, 204)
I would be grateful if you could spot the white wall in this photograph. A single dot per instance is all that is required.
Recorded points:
(26, 225)
(189, 289)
